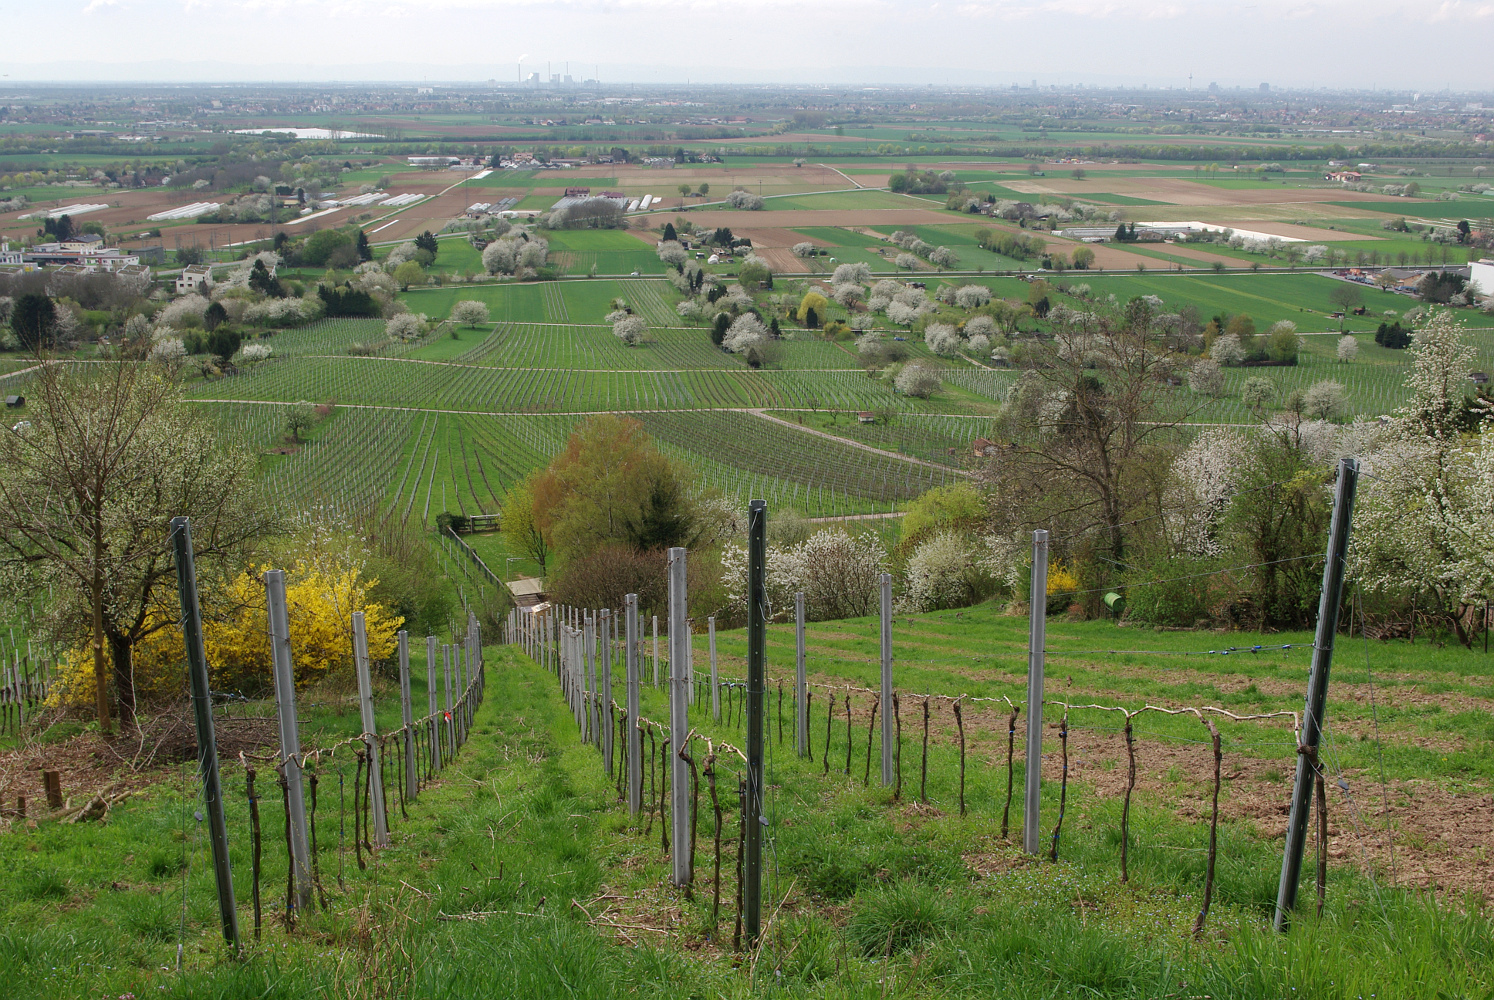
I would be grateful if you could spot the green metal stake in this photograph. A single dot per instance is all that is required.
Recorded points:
(757, 606)
(202, 709)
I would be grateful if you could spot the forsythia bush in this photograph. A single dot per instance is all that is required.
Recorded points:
(1061, 579)
(320, 602)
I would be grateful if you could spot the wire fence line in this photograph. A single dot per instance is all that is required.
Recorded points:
(580, 646)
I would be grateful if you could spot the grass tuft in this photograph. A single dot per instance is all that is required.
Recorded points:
(906, 916)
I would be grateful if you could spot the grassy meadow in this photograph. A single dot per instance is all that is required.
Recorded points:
(517, 872)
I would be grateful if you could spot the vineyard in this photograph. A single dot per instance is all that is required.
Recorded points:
(448, 423)
(898, 815)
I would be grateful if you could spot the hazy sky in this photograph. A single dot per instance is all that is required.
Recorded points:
(1336, 43)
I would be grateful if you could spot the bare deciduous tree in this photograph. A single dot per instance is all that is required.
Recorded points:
(86, 494)
(1080, 436)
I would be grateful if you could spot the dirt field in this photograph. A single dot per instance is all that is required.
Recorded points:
(793, 218)
(1176, 191)
(1302, 214)
(1438, 837)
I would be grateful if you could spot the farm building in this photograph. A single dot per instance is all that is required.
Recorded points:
(1481, 275)
(88, 254)
(192, 278)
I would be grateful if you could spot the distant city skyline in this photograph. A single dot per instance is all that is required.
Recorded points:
(1339, 44)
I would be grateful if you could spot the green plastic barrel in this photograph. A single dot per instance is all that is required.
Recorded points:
(1116, 603)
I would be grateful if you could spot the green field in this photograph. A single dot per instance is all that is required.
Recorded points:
(610, 251)
(511, 392)
(526, 814)
(1266, 298)
(1467, 207)
(961, 239)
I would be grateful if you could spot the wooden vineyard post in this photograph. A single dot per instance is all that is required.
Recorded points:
(431, 706)
(1203, 914)
(450, 726)
(886, 701)
(923, 772)
(715, 678)
(689, 662)
(801, 703)
(589, 676)
(459, 690)
(605, 702)
(635, 744)
(370, 731)
(679, 716)
(1317, 688)
(829, 725)
(752, 804)
(1126, 806)
(1011, 742)
(407, 714)
(290, 737)
(202, 710)
(1036, 637)
(464, 687)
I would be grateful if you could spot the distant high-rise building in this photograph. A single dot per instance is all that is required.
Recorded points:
(1265, 88)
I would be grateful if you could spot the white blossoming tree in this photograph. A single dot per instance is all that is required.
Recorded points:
(916, 380)
(1206, 377)
(838, 572)
(941, 573)
(941, 338)
(852, 274)
(745, 332)
(972, 296)
(1418, 520)
(470, 312)
(405, 326)
(1227, 349)
(1202, 478)
(630, 330)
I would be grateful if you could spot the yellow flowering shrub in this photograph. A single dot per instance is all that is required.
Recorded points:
(1061, 579)
(320, 602)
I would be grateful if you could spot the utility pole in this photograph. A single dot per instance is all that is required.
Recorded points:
(1317, 689)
